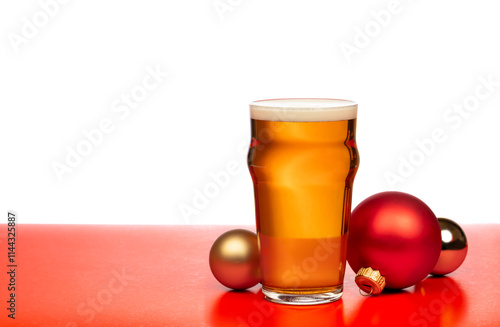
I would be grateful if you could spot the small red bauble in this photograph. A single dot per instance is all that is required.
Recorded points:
(396, 234)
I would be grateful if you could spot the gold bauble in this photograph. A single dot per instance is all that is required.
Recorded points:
(454, 247)
(234, 259)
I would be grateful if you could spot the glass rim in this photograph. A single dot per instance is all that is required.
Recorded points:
(303, 109)
(304, 103)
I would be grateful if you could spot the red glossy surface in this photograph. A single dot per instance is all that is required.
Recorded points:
(70, 275)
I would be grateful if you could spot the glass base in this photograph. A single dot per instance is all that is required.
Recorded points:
(303, 297)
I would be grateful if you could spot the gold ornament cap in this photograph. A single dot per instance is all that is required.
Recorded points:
(370, 281)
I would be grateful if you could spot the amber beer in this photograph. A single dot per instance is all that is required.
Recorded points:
(303, 159)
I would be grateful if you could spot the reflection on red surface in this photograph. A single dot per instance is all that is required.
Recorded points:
(386, 309)
(441, 302)
(243, 309)
(436, 301)
(232, 309)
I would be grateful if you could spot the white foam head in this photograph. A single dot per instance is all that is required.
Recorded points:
(303, 110)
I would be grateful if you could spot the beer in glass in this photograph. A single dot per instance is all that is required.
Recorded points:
(303, 159)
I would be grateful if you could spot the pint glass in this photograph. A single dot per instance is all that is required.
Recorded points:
(303, 159)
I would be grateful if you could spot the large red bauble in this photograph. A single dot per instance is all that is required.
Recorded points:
(397, 234)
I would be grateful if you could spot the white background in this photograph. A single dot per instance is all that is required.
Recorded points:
(64, 77)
